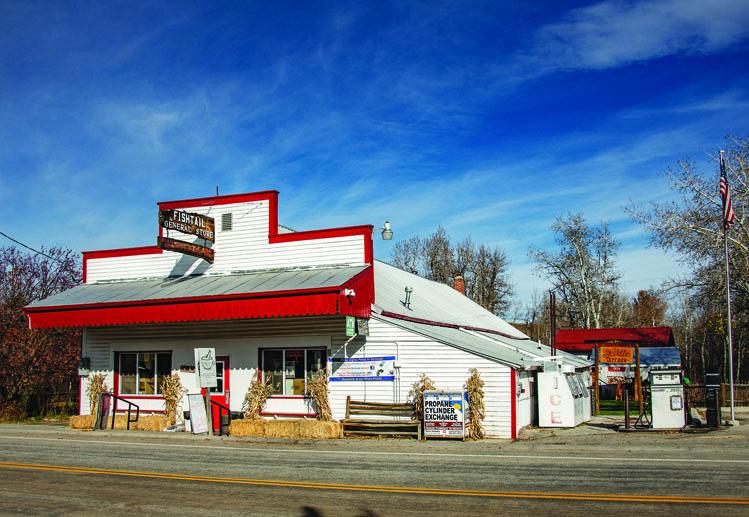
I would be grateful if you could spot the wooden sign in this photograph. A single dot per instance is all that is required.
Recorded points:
(617, 354)
(188, 248)
(188, 222)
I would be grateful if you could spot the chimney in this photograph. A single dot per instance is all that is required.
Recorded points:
(459, 284)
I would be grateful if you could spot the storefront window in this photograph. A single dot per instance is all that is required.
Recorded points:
(289, 370)
(140, 372)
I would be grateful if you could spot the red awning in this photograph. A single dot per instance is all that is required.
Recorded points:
(353, 297)
(584, 340)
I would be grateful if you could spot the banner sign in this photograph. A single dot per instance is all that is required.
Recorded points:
(205, 367)
(188, 248)
(444, 414)
(188, 222)
(617, 355)
(362, 368)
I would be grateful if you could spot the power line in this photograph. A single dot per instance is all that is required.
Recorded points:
(30, 248)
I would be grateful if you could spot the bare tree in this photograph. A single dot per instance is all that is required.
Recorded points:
(583, 270)
(691, 226)
(34, 364)
(490, 285)
(484, 270)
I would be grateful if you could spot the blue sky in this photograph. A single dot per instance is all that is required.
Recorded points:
(490, 119)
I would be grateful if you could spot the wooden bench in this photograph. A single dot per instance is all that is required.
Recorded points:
(355, 425)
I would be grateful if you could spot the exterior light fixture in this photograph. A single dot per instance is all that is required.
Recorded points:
(387, 233)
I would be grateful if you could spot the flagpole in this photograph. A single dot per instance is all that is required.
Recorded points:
(728, 305)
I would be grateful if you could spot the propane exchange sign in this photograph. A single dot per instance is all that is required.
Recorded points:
(444, 414)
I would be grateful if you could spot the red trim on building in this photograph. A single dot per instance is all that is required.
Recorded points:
(359, 305)
(116, 387)
(404, 317)
(118, 252)
(123, 252)
(219, 200)
(513, 404)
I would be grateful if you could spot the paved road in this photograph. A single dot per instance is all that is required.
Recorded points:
(45, 470)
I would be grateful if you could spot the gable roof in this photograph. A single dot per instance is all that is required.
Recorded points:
(441, 313)
(584, 340)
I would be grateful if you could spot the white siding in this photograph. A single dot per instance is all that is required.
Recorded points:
(240, 340)
(101, 362)
(243, 248)
(448, 367)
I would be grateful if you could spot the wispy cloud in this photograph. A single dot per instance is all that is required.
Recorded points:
(615, 33)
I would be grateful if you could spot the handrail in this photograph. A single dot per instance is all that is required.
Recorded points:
(115, 398)
(221, 407)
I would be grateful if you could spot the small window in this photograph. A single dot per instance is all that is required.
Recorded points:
(226, 222)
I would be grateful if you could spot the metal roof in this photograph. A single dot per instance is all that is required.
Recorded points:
(199, 286)
(463, 341)
(432, 301)
(441, 313)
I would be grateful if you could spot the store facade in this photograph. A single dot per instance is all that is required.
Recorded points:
(274, 305)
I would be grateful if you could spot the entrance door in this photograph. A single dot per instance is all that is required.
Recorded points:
(220, 393)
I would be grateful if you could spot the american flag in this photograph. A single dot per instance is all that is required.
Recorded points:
(725, 195)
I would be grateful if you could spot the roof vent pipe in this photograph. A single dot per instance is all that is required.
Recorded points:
(407, 302)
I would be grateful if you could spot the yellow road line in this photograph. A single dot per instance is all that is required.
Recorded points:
(678, 499)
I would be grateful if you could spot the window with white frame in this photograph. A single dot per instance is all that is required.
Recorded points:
(290, 369)
(141, 372)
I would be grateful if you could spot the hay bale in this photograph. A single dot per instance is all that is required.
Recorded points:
(155, 423)
(288, 428)
(82, 422)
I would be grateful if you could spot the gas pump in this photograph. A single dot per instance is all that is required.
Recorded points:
(666, 399)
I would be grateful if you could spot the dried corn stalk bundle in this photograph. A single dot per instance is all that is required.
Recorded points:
(417, 393)
(96, 384)
(172, 390)
(475, 388)
(318, 390)
(255, 398)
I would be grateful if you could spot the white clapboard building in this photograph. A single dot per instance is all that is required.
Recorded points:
(274, 305)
